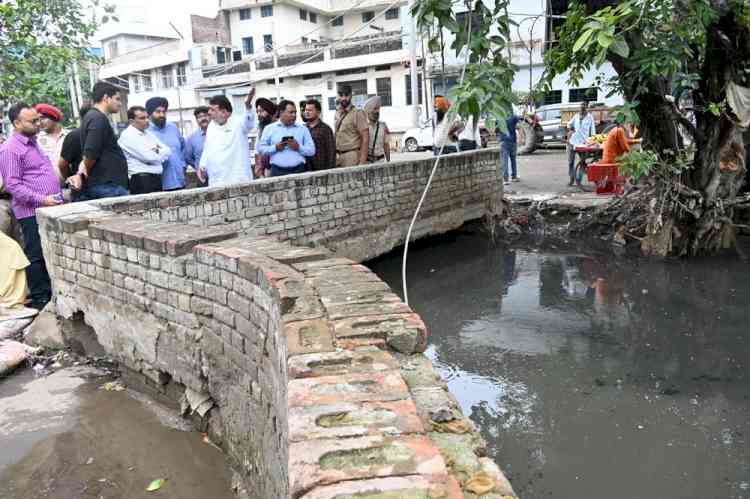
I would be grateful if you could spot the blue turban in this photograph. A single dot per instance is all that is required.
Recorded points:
(155, 102)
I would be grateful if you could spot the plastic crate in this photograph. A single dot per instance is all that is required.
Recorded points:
(607, 178)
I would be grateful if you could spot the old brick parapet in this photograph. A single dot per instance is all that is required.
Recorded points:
(302, 364)
(359, 212)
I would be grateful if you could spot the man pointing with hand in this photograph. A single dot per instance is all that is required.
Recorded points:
(226, 154)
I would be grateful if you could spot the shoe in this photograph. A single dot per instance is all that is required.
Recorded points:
(516, 179)
(570, 184)
(506, 182)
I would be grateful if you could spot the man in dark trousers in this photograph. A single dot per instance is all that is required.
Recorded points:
(104, 171)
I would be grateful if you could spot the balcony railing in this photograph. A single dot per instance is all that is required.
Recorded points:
(290, 59)
(385, 42)
(226, 69)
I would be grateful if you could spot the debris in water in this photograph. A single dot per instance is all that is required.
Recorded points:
(113, 386)
(155, 485)
(90, 460)
(670, 390)
(600, 382)
(640, 427)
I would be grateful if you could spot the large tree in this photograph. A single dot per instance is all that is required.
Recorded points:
(39, 39)
(669, 55)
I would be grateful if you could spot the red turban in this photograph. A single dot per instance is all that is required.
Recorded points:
(49, 111)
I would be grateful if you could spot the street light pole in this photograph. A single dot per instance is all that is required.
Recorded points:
(413, 66)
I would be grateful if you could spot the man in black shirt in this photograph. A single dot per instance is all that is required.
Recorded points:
(71, 154)
(104, 171)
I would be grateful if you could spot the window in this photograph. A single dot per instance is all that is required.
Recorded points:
(304, 41)
(167, 80)
(368, 16)
(359, 90)
(476, 20)
(553, 97)
(221, 56)
(313, 17)
(550, 114)
(136, 83)
(383, 67)
(332, 103)
(273, 82)
(353, 71)
(408, 89)
(266, 11)
(383, 87)
(247, 45)
(303, 14)
(236, 55)
(244, 14)
(318, 98)
(268, 42)
(313, 76)
(113, 50)
(147, 83)
(583, 94)
(181, 74)
(338, 21)
(391, 13)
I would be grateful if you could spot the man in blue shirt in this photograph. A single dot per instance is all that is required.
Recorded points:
(173, 175)
(194, 144)
(287, 142)
(508, 145)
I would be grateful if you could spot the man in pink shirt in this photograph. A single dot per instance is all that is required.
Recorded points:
(31, 180)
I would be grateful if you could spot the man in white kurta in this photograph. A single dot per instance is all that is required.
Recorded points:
(226, 154)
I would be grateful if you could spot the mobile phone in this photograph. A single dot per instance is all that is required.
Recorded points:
(59, 197)
(287, 138)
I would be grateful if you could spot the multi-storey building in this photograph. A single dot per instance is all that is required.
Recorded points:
(309, 48)
(532, 35)
(148, 60)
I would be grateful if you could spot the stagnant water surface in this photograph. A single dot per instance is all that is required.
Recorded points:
(588, 376)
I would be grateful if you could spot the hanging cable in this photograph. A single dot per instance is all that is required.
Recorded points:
(448, 119)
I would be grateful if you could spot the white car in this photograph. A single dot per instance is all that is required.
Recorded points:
(419, 139)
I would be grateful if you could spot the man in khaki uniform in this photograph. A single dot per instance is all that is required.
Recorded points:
(352, 131)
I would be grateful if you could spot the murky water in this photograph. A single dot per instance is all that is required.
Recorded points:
(590, 377)
(63, 437)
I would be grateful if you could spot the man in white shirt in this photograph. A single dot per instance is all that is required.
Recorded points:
(226, 155)
(580, 128)
(144, 153)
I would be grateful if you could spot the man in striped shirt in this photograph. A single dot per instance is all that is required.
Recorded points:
(32, 182)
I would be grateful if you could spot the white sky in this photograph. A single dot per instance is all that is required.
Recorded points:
(159, 12)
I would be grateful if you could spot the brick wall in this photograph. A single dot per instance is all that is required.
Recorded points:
(358, 212)
(303, 365)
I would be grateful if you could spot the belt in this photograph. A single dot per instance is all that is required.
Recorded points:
(350, 150)
(290, 167)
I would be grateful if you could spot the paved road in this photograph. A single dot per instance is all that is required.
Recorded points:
(543, 172)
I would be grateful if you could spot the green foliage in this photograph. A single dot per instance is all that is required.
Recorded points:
(39, 39)
(483, 39)
(637, 164)
(627, 113)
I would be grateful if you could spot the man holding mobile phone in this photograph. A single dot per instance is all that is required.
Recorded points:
(287, 142)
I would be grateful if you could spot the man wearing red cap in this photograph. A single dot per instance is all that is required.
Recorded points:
(52, 134)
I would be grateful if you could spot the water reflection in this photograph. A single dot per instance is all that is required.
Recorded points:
(589, 376)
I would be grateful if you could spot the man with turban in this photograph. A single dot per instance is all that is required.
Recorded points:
(52, 134)
(444, 135)
(378, 148)
(173, 174)
(266, 111)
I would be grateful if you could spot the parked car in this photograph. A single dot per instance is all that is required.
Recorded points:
(550, 124)
(420, 139)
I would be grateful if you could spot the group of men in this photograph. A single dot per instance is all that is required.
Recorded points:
(41, 158)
